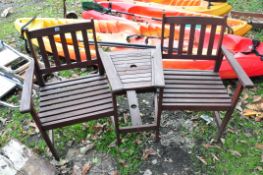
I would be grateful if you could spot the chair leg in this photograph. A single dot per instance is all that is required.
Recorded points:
(44, 134)
(225, 121)
(228, 115)
(49, 144)
(116, 120)
(158, 112)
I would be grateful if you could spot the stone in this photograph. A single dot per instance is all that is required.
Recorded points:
(86, 148)
(147, 172)
(154, 161)
(16, 158)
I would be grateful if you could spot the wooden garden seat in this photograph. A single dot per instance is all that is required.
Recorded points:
(72, 101)
(198, 38)
(193, 90)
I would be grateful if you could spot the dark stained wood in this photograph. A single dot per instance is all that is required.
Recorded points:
(86, 43)
(54, 50)
(43, 52)
(46, 37)
(26, 99)
(201, 40)
(134, 108)
(131, 72)
(201, 90)
(191, 41)
(181, 39)
(65, 48)
(112, 74)
(66, 102)
(157, 71)
(242, 76)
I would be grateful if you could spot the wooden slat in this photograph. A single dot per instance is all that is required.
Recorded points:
(71, 82)
(43, 52)
(166, 77)
(171, 39)
(76, 47)
(197, 106)
(127, 66)
(127, 61)
(201, 91)
(201, 40)
(137, 85)
(71, 93)
(193, 82)
(86, 44)
(191, 73)
(134, 108)
(76, 113)
(186, 95)
(135, 75)
(74, 102)
(211, 39)
(181, 39)
(129, 57)
(72, 88)
(78, 118)
(157, 68)
(191, 39)
(136, 53)
(75, 108)
(194, 100)
(65, 48)
(74, 97)
(112, 74)
(124, 69)
(143, 79)
(195, 86)
(130, 72)
(54, 50)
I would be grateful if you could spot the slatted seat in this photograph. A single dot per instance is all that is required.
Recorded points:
(199, 38)
(72, 101)
(193, 90)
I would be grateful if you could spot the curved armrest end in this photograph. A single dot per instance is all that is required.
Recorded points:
(26, 99)
(241, 74)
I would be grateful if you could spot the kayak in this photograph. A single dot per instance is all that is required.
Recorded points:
(251, 63)
(200, 6)
(238, 26)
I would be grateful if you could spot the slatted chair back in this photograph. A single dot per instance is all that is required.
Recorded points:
(76, 42)
(195, 38)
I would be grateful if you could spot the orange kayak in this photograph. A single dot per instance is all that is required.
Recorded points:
(250, 62)
(200, 6)
(238, 27)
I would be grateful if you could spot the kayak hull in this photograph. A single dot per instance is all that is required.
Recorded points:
(199, 6)
(238, 27)
(251, 63)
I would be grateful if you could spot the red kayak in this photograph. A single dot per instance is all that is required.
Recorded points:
(241, 46)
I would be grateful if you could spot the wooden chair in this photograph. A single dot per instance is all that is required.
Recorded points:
(199, 90)
(66, 102)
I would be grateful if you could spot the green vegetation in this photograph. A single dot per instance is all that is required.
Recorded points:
(237, 156)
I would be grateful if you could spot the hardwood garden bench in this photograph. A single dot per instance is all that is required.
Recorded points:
(199, 90)
(72, 101)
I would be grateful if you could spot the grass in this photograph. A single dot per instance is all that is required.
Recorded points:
(237, 156)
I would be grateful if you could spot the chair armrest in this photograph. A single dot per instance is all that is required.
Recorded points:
(26, 99)
(241, 74)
